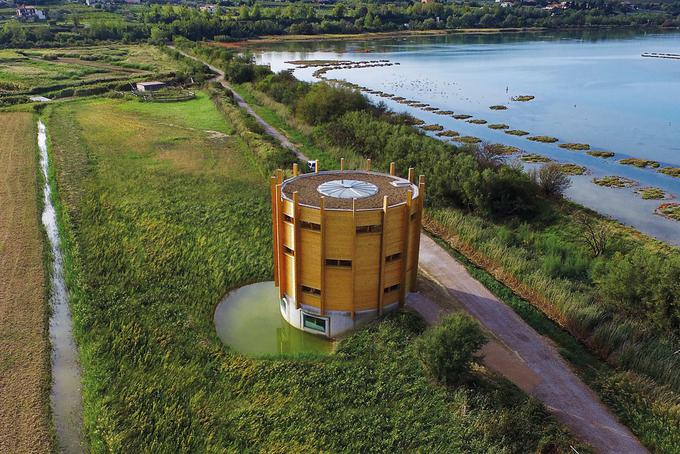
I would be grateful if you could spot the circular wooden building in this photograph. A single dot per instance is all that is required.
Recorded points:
(345, 246)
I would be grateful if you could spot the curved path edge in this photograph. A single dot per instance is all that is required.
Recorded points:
(564, 394)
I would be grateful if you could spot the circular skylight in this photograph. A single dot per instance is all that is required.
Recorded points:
(348, 189)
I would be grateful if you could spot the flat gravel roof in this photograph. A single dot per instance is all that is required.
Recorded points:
(307, 187)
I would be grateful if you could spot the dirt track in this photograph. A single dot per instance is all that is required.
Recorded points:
(24, 350)
(543, 373)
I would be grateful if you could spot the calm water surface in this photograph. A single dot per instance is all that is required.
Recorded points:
(65, 397)
(589, 88)
(248, 319)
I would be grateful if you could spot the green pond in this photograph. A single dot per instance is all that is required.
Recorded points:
(248, 319)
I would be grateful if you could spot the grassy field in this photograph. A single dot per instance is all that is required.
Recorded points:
(24, 347)
(161, 218)
(49, 72)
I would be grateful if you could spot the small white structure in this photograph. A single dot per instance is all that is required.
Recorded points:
(210, 9)
(150, 86)
(30, 13)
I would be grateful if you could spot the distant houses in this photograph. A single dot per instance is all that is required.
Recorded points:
(30, 13)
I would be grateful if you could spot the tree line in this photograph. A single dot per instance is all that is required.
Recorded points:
(159, 23)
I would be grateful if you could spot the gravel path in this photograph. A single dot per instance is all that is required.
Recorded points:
(562, 392)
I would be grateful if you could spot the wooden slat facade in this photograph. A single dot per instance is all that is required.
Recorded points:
(320, 250)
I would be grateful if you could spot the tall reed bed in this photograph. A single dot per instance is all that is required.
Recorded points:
(517, 259)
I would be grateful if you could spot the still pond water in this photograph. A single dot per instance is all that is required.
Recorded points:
(592, 88)
(248, 319)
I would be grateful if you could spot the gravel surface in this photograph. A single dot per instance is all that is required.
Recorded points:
(306, 186)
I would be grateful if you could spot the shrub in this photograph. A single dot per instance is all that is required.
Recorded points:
(447, 349)
(641, 285)
(324, 103)
(551, 179)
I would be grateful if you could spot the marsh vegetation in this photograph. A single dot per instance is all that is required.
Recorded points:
(670, 210)
(671, 171)
(575, 146)
(651, 193)
(543, 139)
(614, 181)
(642, 163)
(516, 132)
(601, 154)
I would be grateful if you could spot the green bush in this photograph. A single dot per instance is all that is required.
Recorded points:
(447, 350)
(642, 285)
(324, 102)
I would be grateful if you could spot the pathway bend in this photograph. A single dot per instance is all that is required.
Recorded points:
(564, 394)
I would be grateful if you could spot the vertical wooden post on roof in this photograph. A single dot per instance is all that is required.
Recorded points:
(342, 163)
(404, 248)
(410, 174)
(368, 164)
(354, 257)
(322, 249)
(392, 168)
(297, 257)
(279, 239)
(275, 229)
(296, 170)
(381, 270)
(316, 166)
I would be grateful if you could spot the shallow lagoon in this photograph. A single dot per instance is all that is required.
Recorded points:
(590, 88)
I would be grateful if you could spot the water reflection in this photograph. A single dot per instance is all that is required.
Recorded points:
(249, 320)
(590, 87)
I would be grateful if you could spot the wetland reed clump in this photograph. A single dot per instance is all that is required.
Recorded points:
(670, 210)
(534, 158)
(672, 171)
(601, 154)
(573, 169)
(523, 98)
(502, 149)
(498, 107)
(637, 162)
(543, 139)
(467, 139)
(478, 121)
(462, 116)
(575, 146)
(432, 128)
(498, 126)
(444, 112)
(614, 181)
(651, 193)
(448, 133)
(516, 132)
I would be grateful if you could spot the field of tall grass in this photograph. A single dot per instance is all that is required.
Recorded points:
(161, 217)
